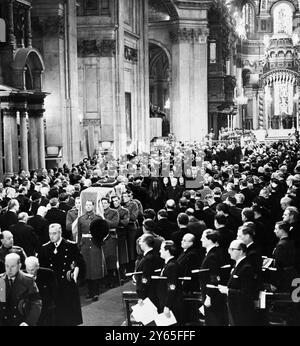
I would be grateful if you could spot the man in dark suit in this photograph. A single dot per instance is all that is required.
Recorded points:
(56, 215)
(189, 259)
(64, 258)
(22, 306)
(47, 284)
(145, 286)
(241, 289)
(249, 195)
(11, 216)
(214, 260)
(284, 256)
(172, 214)
(164, 227)
(182, 222)
(24, 235)
(246, 234)
(23, 200)
(169, 290)
(40, 225)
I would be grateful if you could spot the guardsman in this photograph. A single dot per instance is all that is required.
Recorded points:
(19, 296)
(110, 250)
(92, 254)
(65, 259)
(121, 233)
(132, 227)
(8, 247)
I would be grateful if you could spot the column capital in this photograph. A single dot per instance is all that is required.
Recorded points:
(36, 112)
(196, 34)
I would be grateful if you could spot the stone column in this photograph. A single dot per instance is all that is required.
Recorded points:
(33, 141)
(261, 110)
(8, 142)
(23, 140)
(41, 139)
(189, 105)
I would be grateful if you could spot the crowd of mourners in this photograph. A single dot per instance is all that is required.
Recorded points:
(217, 219)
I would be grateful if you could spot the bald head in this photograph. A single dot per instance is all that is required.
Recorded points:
(12, 264)
(7, 239)
(32, 265)
(42, 211)
(187, 241)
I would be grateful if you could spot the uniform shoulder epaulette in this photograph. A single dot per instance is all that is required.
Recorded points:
(71, 241)
(46, 243)
(17, 247)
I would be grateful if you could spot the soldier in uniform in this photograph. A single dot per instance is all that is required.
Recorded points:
(92, 254)
(65, 259)
(110, 244)
(169, 291)
(8, 247)
(121, 233)
(20, 300)
(132, 227)
(72, 216)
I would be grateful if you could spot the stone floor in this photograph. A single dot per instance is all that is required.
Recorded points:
(108, 310)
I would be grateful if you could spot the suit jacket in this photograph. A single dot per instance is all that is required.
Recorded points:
(25, 237)
(165, 228)
(7, 219)
(169, 291)
(145, 286)
(23, 303)
(242, 293)
(190, 260)
(284, 255)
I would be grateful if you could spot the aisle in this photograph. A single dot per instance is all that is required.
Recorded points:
(108, 310)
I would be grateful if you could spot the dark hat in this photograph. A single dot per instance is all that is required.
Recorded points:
(99, 229)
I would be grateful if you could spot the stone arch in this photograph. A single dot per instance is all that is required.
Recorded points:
(289, 3)
(163, 47)
(28, 67)
(171, 9)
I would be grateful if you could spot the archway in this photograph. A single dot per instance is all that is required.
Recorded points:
(27, 69)
(159, 85)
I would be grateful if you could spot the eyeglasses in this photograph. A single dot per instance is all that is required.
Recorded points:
(231, 249)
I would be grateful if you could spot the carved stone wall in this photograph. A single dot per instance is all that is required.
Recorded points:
(103, 48)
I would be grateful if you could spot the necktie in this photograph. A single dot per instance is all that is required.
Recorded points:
(55, 250)
(10, 281)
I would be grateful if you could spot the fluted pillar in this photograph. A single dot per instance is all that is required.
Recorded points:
(41, 140)
(8, 116)
(33, 140)
(24, 141)
(189, 103)
(36, 139)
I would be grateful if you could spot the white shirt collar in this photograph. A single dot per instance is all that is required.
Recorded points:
(147, 251)
(209, 248)
(250, 244)
(239, 260)
(168, 260)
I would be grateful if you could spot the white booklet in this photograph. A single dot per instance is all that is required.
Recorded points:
(145, 313)
(162, 320)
